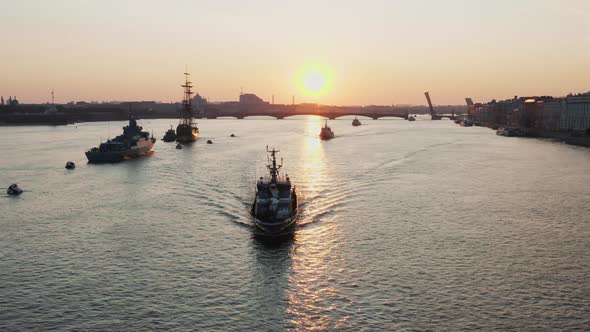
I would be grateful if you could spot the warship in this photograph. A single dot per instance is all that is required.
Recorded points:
(275, 204)
(132, 143)
(356, 122)
(187, 130)
(326, 132)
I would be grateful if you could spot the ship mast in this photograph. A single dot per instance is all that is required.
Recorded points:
(186, 113)
(272, 166)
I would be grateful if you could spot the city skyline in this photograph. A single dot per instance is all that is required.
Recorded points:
(381, 52)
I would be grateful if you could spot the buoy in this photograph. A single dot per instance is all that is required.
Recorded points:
(70, 165)
(232, 135)
(209, 141)
(14, 190)
(178, 146)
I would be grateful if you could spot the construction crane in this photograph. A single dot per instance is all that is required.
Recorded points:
(433, 115)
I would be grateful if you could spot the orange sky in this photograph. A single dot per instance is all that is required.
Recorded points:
(376, 52)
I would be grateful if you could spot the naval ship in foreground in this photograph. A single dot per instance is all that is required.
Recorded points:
(275, 204)
(187, 130)
(132, 143)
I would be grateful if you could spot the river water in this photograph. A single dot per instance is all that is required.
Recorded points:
(403, 226)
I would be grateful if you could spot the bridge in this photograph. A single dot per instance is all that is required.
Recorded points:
(213, 111)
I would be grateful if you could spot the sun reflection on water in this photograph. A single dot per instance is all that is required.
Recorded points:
(311, 289)
(312, 167)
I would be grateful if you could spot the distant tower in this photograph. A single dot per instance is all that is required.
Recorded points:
(52, 97)
(2, 100)
(293, 100)
(273, 99)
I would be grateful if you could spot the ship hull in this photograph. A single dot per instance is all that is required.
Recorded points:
(275, 228)
(104, 157)
(187, 138)
(142, 148)
(186, 134)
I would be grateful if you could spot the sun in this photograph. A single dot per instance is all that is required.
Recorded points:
(314, 80)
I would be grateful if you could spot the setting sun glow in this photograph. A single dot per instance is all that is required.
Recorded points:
(314, 81)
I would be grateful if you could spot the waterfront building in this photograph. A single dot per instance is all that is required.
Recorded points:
(576, 113)
(251, 99)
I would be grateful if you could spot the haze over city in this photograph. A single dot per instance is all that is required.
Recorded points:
(331, 52)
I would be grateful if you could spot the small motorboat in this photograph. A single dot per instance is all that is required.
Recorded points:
(178, 146)
(14, 190)
(209, 141)
(70, 165)
(356, 122)
(232, 135)
(411, 118)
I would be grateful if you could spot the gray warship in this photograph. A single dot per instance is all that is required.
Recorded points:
(275, 204)
(132, 143)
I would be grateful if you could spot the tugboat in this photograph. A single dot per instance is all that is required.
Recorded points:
(132, 143)
(170, 135)
(326, 132)
(356, 122)
(187, 130)
(275, 205)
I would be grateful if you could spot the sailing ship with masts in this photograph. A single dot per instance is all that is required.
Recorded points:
(187, 130)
